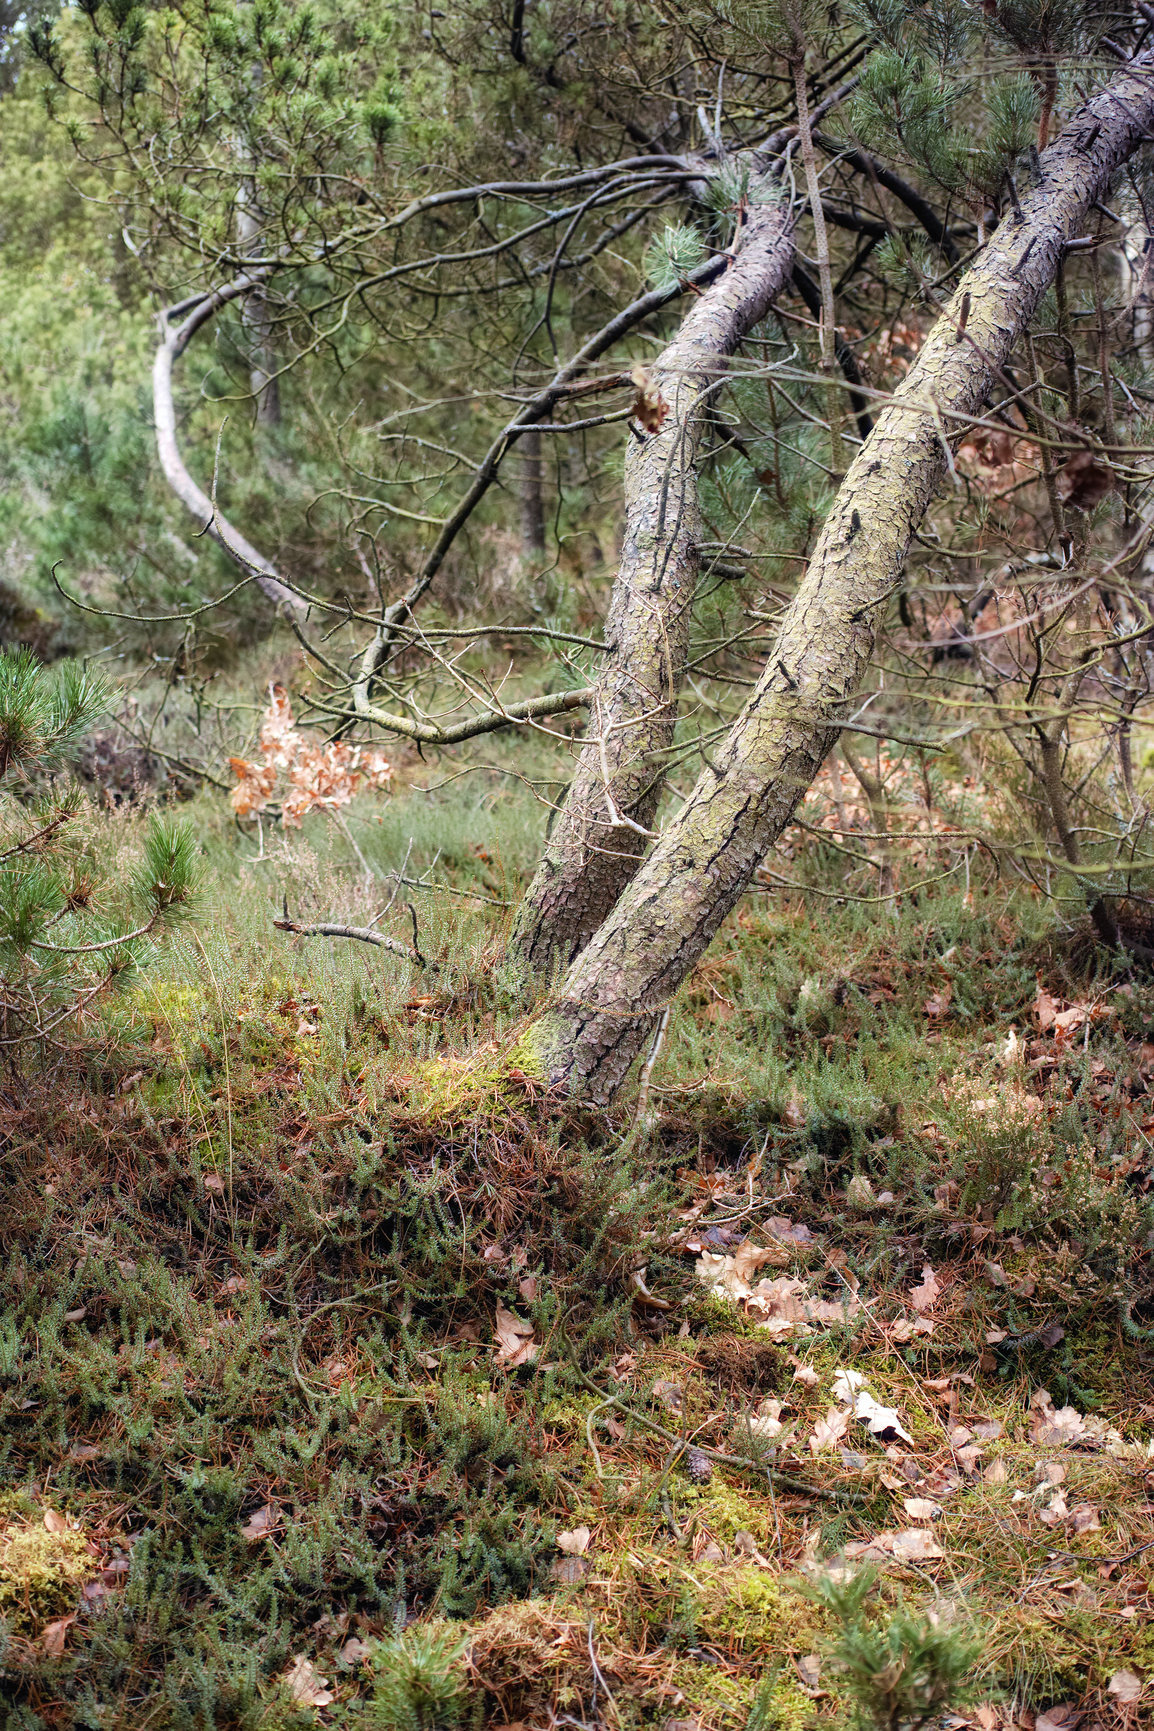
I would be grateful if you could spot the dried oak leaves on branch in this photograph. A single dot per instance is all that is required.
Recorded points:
(309, 776)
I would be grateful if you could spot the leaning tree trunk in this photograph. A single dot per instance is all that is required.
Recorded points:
(616, 992)
(596, 843)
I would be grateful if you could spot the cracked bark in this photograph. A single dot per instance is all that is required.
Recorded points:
(600, 831)
(606, 1007)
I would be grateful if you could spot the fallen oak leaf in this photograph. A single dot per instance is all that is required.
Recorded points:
(924, 1296)
(305, 1683)
(1126, 1687)
(54, 1635)
(260, 1523)
(514, 1340)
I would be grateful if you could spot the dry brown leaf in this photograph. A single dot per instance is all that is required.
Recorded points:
(828, 1431)
(527, 1287)
(926, 1295)
(305, 1683)
(1126, 1687)
(938, 1003)
(1085, 480)
(514, 1340)
(1085, 1519)
(649, 406)
(921, 1508)
(1052, 1427)
(55, 1522)
(1063, 1718)
(1045, 1008)
(574, 1544)
(260, 1523)
(669, 1394)
(355, 1651)
(54, 1635)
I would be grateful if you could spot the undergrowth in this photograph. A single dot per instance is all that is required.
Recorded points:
(258, 1231)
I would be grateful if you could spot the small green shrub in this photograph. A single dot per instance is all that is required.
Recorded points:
(899, 1672)
(419, 1681)
(67, 933)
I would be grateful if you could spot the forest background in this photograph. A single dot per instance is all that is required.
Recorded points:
(575, 923)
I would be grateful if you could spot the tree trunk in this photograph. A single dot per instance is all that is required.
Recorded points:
(606, 1007)
(597, 840)
(532, 494)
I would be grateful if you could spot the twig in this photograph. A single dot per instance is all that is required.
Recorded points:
(786, 1480)
(364, 935)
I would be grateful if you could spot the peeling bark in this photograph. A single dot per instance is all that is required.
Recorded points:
(608, 1004)
(597, 840)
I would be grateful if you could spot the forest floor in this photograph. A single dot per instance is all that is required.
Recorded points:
(346, 1380)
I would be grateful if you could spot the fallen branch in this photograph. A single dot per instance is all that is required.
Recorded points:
(363, 934)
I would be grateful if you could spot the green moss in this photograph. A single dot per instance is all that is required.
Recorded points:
(726, 1510)
(742, 1606)
(41, 1573)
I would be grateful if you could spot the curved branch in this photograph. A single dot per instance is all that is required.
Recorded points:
(193, 497)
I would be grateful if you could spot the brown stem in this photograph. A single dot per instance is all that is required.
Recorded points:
(828, 328)
(874, 789)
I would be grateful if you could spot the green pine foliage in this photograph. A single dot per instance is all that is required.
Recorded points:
(419, 1683)
(67, 935)
(899, 1670)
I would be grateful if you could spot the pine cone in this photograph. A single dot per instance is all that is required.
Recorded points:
(698, 1466)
